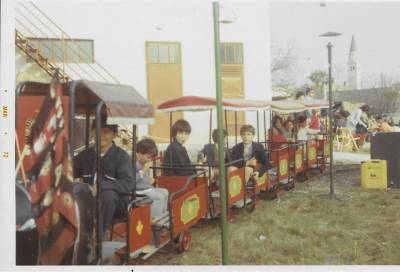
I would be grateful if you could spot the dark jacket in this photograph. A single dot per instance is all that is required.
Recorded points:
(211, 153)
(258, 153)
(116, 168)
(177, 156)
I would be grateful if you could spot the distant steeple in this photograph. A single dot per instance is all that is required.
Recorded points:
(353, 46)
(353, 72)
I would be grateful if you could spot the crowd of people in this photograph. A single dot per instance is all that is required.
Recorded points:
(361, 123)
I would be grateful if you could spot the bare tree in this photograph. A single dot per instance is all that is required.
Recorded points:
(283, 59)
(387, 98)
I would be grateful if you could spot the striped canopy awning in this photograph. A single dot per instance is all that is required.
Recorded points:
(198, 103)
(124, 104)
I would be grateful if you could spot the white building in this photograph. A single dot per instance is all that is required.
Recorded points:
(165, 49)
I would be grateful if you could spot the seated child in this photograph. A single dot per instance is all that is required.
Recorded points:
(211, 154)
(252, 153)
(275, 135)
(176, 155)
(303, 131)
(289, 131)
(146, 150)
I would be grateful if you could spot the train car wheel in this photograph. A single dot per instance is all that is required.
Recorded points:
(322, 169)
(272, 193)
(185, 241)
(250, 207)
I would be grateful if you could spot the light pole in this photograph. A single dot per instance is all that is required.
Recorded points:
(221, 154)
(329, 46)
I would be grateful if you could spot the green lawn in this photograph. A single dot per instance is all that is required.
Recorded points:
(303, 228)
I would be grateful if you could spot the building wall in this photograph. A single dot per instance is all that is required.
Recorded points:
(120, 30)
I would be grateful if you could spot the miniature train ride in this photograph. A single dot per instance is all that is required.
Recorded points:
(66, 212)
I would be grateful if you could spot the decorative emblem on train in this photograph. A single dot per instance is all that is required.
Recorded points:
(326, 149)
(235, 185)
(283, 167)
(299, 161)
(311, 153)
(139, 227)
(190, 208)
(261, 180)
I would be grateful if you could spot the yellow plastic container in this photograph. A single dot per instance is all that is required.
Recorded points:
(374, 174)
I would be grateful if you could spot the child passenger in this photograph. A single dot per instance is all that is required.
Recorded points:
(146, 150)
(289, 131)
(303, 132)
(252, 153)
(176, 154)
(275, 135)
(211, 154)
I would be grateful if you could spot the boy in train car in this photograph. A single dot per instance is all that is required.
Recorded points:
(210, 152)
(252, 153)
(116, 173)
(146, 150)
(176, 154)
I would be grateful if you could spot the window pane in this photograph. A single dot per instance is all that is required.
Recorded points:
(222, 52)
(174, 53)
(35, 43)
(239, 53)
(152, 52)
(72, 51)
(163, 48)
(57, 51)
(45, 49)
(85, 51)
(230, 54)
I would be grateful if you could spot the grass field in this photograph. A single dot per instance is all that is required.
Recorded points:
(301, 227)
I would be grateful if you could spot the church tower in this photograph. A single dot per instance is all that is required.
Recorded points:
(353, 72)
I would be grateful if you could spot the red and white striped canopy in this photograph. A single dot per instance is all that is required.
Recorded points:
(198, 103)
(311, 104)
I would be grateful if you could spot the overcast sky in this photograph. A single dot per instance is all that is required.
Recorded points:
(374, 24)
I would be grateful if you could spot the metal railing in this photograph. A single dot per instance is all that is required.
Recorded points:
(33, 23)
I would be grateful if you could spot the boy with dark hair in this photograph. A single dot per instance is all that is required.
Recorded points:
(252, 153)
(211, 154)
(176, 154)
(116, 173)
(146, 150)
(210, 150)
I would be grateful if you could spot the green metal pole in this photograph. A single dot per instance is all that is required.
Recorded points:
(221, 155)
(330, 119)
